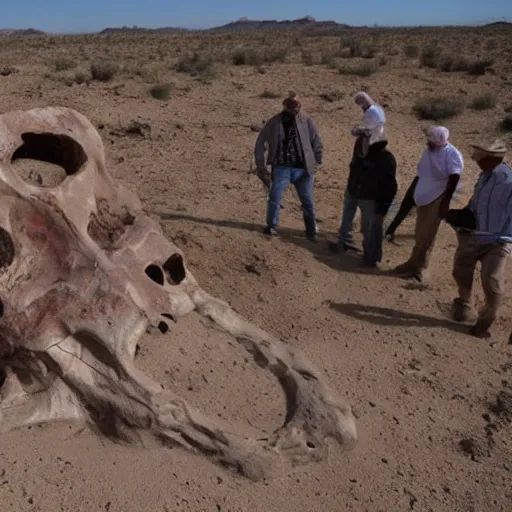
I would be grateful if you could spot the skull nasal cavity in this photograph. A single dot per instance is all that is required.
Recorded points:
(54, 149)
(6, 249)
(175, 269)
(155, 273)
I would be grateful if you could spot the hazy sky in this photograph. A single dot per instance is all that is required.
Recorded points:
(80, 15)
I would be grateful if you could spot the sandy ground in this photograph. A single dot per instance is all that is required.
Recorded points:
(423, 391)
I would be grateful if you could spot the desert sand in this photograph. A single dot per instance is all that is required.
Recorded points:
(431, 404)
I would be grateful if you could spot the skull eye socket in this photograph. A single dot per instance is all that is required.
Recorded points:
(6, 249)
(59, 150)
(155, 273)
(175, 269)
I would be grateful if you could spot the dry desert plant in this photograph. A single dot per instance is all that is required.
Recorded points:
(196, 66)
(332, 96)
(103, 71)
(438, 107)
(483, 101)
(365, 69)
(161, 91)
(64, 65)
(411, 51)
(269, 95)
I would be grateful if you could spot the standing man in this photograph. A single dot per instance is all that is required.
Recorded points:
(488, 239)
(371, 130)
(294, 150)
(439, 171)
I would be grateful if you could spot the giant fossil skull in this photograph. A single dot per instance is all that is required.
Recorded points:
(83, 273)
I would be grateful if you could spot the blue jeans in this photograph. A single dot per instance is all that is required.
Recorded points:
(347, 218)
(303, 182)
(372, 231)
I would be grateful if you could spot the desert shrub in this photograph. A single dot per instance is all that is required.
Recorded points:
(506, 124)
(366, 69)
(328, 60)
(353, 46)
(247, 57)
(64, 65)
(429, 56)
(272, 55)
(332, 96)
(484, 101)
(369, 51)
(80, 78)
(269, 95)
(479, 67)
(411, 51)
(195, 65)
(8, 70)
(438, 107)
(307, 58)
(161, 91)
(103, 71)
(452, 63)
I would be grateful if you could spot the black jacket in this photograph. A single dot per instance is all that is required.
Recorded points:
(374, 177)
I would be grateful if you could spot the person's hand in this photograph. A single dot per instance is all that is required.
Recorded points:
(264, 175)
(444, 207)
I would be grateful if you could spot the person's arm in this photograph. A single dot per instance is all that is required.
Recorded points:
(455, 166)
(316, 142)
(259, 146)
(387, 184)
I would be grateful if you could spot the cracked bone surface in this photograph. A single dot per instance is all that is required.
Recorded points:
(83, 273)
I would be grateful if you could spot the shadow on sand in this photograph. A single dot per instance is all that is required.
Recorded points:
(350, 262)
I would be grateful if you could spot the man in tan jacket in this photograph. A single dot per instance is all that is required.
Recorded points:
(294, 150)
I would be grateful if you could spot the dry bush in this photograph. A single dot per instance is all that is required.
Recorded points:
(430, 56)
(196, 66)
(438, 107)
(332, 96)
(369, 51)
(161, 91)
(64, 65)
(479, 67)
(247, 57)
(352, 45)
(308, 59)
(506, 124)
(253, 57)
(8, 70)
(269, 95)
(411, 51)
(452, 63)
(483, 101)
(365, 69)
(103, 71)
(329, 60)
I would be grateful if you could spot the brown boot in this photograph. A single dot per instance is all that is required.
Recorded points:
(481, 329)
(460, 310)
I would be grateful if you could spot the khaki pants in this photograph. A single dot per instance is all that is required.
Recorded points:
(493, 259)
(427, 226)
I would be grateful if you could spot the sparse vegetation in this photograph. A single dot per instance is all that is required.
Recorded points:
(411, 51)
(269, 95)
(254, 57)
(328, 60)
(366, 69)
(480, 67)
(483, 102)
(453, 63)
(332, 96)
(64, 65)
(196, 66)
(438, 107)
(506, 124)
(161, 91)
(429, 57)
(307, 58)
(103, 71)
(351, 47)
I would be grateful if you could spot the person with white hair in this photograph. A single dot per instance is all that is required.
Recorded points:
(370, 132)
(484, 232)
(438, 171)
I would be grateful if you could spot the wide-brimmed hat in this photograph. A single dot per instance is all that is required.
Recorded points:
(496, 149)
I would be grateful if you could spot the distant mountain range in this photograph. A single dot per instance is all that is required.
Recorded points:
(241, 25)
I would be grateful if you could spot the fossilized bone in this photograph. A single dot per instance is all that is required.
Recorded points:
(83, 272)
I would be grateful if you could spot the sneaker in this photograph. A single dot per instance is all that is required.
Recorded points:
(270, 231)
(311, 236)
